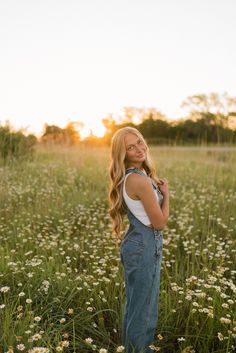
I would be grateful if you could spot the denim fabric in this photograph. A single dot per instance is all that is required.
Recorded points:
(141, 256)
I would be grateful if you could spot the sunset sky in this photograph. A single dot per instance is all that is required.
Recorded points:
(80, 60)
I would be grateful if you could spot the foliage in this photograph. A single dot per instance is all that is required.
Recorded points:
(15, 145)
(63, 136)
(211, 120)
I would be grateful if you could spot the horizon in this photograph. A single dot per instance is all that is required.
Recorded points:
(86, 128)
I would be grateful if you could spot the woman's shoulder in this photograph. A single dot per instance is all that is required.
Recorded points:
(137, 179)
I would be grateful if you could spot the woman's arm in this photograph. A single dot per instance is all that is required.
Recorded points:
(143, 189)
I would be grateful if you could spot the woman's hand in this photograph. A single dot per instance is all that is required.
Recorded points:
(163, 186)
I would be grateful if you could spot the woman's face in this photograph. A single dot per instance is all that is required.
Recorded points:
(135, 150)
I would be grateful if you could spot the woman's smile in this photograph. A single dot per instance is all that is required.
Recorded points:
(141, 155)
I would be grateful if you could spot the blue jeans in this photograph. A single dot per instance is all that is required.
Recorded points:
(141, 256)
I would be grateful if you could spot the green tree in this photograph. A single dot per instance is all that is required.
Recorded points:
(14, 145)
(221, 107)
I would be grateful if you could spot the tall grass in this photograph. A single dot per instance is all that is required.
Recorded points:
(61, 279)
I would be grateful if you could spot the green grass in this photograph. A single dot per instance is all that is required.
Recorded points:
(57, 250)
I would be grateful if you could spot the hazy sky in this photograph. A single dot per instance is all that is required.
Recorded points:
(79, 60)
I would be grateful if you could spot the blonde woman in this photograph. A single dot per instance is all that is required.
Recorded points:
(136, 191)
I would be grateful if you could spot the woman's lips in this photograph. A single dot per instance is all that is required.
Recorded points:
(141, 155)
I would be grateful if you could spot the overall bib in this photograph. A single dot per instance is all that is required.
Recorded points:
(141, 255)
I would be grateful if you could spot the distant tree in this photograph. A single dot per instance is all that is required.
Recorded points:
(137, 115)
(151, 127)
(220, 109)
(111, 126)
(202, 125)
(221, 106)
(72, 136)
(64, 136)
(109, 123)
(14, 145)
(152, 123)
(52, 134)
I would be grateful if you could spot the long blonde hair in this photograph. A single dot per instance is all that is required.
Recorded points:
(117, 168)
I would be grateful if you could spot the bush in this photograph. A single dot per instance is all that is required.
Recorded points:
(15, 145)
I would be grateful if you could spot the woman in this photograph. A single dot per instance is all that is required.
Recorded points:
(136, 190)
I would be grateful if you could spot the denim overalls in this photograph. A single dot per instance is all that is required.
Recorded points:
(141, 255)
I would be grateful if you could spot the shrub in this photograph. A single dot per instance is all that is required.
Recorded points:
(15, 145)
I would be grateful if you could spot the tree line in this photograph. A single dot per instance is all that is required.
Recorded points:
(211, 119)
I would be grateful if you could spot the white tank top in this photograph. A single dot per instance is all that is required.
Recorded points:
(136, 206)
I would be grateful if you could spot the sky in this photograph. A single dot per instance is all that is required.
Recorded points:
(81, 60)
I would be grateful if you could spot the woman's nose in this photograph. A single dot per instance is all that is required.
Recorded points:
(139, 149)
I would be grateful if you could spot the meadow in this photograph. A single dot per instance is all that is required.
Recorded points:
(61, 278)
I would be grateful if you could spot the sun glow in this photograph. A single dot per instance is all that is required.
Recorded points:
(96, 130)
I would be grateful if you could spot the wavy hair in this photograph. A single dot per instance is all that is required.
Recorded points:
(117, 168)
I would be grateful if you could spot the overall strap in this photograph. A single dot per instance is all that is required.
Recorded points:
(135, 170)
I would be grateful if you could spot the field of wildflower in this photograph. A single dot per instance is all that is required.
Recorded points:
(61, 278)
